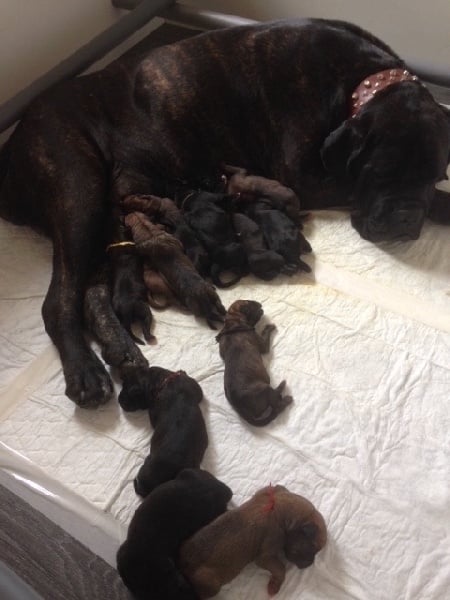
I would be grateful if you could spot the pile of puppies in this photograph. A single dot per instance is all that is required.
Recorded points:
(248, 224)
(182, 544)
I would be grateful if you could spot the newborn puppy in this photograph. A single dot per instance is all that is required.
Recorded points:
(281, 234)
(253, 187)
(273, 525)
(262, 262)
(207, 214)
(166, 212)
(179, 438)
(247, 383)
(165, 254)
(127, 284)
(147, 560)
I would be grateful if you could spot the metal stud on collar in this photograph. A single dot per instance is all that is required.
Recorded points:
(371, 85)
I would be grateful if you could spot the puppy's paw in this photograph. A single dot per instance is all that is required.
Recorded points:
(131, 310)
(305, 246)
(122, 353)
(273, 587)
(269, 329)
(87, 382)
(204, 301)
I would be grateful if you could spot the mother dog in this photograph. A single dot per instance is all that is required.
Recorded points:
(287, 100)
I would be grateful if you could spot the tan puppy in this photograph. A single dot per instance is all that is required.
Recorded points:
(252, 187)
(246, 381)
(273, 525)
(159, 294)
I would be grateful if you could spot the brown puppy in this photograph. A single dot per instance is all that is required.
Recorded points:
(165, 254)
(253, 187)
(247, 383)
(262, 262)
(274, 524)
(165, 212)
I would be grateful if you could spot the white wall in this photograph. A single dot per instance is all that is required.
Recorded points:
(418, 30)
(37, 34)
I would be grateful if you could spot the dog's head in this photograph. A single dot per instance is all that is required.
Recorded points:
(304, 539)
(391, 155)
(249, 309)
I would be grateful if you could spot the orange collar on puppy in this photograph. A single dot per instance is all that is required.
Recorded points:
(269, 507)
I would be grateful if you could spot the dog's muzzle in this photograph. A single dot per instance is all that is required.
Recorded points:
(403, 224)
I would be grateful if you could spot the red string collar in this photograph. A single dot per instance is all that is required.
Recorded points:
(270, 506)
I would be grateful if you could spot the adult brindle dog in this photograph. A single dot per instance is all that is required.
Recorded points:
(274, 98)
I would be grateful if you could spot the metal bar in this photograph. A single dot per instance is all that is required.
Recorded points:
(201, 19)
(190, 16)
(83, 58)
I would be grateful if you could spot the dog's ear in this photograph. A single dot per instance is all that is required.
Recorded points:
(342, 149)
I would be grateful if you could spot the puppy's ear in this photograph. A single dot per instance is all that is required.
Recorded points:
(342, 148)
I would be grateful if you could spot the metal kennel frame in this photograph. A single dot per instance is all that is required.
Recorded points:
(141, 13)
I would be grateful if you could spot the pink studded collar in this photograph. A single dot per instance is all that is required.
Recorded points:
(367, 89)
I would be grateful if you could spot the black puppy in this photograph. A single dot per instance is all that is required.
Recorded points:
(262, 262)
(179, 439)
(147, 560)
(208, 215)
(281, 234)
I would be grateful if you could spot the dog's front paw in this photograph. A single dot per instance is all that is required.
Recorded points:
(87, 382)
(122, 353)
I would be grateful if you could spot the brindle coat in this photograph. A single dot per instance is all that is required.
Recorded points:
(273, 98)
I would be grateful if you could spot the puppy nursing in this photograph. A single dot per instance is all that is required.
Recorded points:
(272, 526)
(246, 381)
